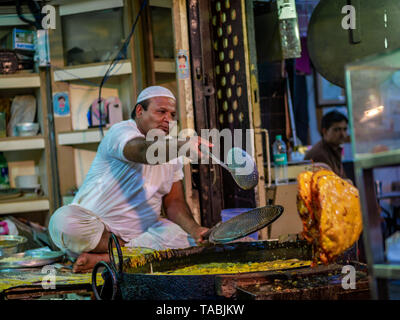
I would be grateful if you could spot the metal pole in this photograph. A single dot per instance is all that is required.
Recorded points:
(44, 65)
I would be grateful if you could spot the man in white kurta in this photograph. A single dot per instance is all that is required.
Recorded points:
(121, 194)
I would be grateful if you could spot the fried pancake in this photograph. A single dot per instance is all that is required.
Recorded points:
(330, 210)
(304, 202)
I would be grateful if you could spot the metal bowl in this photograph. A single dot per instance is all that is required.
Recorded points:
(11, 244)
(25, 129)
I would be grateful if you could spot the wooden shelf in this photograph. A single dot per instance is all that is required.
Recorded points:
(164, 65)
(161, 3)
(25, 203)
(96, 70)
(80, 137)
(19, 80)
(21, 143)
(93, 70)
(70, 7)
(387, 271)
(382, 159)
(11, 19)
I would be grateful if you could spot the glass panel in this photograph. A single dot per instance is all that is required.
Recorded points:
(163, 38)
(373, 89)
(94, 36)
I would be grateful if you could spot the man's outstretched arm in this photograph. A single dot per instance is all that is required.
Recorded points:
(135, 150)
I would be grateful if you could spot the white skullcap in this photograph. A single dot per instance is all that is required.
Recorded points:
(154, 91)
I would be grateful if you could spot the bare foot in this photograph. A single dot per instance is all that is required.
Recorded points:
(86, 261)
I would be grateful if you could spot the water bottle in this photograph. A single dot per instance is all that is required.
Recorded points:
(280, 161)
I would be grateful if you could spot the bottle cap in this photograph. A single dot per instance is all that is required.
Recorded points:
(278, 137)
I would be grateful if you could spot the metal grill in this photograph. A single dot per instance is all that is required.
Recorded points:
(245, 224)
(232, 101)
(231, 82)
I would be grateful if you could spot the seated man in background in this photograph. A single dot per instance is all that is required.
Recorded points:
(329, 149)
(123, 194)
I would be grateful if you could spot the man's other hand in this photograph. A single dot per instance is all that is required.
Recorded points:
(198, 234)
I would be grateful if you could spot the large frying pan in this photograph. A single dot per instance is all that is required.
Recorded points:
(331, 47)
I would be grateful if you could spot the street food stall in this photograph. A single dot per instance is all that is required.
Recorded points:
(260, 270)
(267, 240)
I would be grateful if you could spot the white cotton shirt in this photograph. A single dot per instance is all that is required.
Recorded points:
(125, 195)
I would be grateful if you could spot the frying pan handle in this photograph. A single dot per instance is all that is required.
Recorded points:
(206, 235)
(113, 239)
(114, 281)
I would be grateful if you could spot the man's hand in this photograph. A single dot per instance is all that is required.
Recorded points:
(197, 235)
(192, 149)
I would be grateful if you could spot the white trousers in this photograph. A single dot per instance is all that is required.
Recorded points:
(75, 230)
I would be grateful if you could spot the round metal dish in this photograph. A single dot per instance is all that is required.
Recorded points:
(25, 129)
(10, 244)
(28, 260)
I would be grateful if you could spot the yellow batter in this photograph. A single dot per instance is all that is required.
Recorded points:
(237, 267)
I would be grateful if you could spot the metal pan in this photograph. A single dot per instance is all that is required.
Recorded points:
(29, 260)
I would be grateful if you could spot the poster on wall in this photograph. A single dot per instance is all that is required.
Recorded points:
(61, 104)
(182, 61)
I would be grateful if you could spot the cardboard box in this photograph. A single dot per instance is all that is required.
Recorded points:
(19, 39)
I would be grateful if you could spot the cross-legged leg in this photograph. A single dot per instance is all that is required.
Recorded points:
(87, 260)
(74, 230)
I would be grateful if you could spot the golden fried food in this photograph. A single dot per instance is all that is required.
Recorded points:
(329, 208)
(304, 204)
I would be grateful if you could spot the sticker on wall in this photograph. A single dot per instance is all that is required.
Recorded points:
(182, 61)
(61, 104)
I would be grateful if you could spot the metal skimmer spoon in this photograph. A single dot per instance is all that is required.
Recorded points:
(241, 166)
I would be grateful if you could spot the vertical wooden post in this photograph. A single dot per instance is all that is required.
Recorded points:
(65, 154)
(254, 105)
(45, 132)
(148, 46)
(130, 21)
(372, 234)
(140, 55)
(185, 99)
(202, 70)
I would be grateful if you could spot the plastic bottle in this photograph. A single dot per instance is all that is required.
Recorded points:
(4, 181)
(280, 161)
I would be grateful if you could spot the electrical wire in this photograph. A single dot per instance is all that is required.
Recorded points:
(121, 54)
(35, 10)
